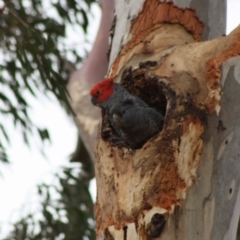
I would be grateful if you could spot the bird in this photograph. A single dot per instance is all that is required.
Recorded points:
(130, 117)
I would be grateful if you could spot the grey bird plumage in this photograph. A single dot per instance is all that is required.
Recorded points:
(133, 121)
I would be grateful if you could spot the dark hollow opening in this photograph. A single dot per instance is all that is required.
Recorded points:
(146, 88)
(157, 223)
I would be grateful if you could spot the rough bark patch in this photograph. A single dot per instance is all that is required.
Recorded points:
(214, 72)
(155, 12)
(153, 15)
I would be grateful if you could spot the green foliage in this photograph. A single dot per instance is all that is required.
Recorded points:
(69, 216)
(33, 57)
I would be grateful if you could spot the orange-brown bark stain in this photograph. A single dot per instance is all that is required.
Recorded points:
(153, 15)
(213, 67)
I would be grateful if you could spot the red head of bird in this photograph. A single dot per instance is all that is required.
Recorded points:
(102, 91)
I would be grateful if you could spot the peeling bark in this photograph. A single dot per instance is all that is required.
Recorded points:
(172, 187)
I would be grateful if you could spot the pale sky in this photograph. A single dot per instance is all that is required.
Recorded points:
(28, 167)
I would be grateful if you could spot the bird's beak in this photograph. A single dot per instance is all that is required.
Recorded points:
(94, 101)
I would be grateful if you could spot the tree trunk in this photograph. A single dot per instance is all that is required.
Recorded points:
(184, 182)
(82, 80)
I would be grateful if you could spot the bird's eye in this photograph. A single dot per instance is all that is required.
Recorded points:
(98, 92)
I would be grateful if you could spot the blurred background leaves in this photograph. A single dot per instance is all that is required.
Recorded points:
(67, 215)
(35, 58)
